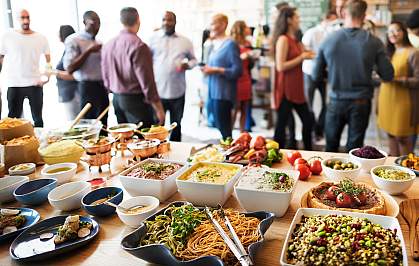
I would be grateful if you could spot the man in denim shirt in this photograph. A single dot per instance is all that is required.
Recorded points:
(349, 56)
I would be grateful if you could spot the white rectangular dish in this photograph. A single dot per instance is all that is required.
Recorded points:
(161, 189)
(253, 199)
(203, 193)
(384, 221)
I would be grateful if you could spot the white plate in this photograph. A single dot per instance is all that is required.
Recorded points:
(384, 221)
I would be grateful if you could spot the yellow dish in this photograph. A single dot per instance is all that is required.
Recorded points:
(65, 151)
(211, 173)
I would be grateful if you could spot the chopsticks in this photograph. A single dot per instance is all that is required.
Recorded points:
(234, 244)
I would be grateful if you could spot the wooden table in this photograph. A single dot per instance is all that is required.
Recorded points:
(106, 249)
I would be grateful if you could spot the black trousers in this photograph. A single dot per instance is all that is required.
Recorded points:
(283, 114)
(95, 93)
(175, 108)
(131, 108)
(16, 96)
(310, 87)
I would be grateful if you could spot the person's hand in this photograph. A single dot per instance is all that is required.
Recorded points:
(94, 47)
(399, 79)
(182, 67)
(44, 80)
(308, 55)
(161, 116)
(207, 70)
(244, 56)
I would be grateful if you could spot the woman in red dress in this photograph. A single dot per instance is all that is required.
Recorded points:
(289, 84)
(239, 31)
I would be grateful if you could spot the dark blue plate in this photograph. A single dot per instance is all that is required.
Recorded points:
(28, 247)
(399, 160)
(32, 217)
(160, 254)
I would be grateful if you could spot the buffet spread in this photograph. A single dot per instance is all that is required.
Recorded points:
(135, 197)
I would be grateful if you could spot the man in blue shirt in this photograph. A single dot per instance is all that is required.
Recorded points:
(349, 55)
(172, 55)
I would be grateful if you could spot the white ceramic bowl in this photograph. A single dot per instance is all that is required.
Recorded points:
(339, 175)
(161, 189)
(393, 187)
(384, 221)
(61, 177)
(30, 168)
(134, 220)
(368, 164)
(8, 184)
(68, 196)
(253, 199)
(206, 194)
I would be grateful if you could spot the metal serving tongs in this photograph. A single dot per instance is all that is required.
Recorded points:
(234, 244)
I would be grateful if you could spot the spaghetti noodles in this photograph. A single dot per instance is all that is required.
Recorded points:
(206, 241)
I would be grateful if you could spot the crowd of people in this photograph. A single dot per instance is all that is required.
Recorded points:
(340, 57)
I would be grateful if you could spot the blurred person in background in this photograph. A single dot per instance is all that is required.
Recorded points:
(22, 49)
(288, 94)
(127, 69)
(312, 39)
(350, 55)
(398, 113)
(223, 69)
(238, 33)
(82, 60)
(173, 54)
(67, 87)
(413, 29)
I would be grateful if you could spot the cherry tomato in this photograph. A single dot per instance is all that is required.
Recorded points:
(292, 156)
(300, 161)
(331, 193)
(316, 167)
(304, 171)
(343, 200)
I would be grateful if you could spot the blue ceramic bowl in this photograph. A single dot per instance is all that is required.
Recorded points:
(35, 192)
(101, 193)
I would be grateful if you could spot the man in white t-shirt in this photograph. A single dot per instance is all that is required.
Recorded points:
(21, 50)
(312, 39)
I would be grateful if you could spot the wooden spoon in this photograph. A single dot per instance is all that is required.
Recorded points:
(85, 109)
(409, 209)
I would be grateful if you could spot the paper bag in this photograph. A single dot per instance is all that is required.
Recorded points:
(25, 153)
(19, 131)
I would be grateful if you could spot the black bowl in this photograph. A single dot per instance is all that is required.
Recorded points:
(160, 254)
(399, 160)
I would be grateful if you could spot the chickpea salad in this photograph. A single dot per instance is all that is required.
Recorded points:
(343, 240)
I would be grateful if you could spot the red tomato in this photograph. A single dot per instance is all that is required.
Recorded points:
(300, 161)
(361, 199)
(331, 193)
(304, 171)
(343, 200)
(316, 167)
(292, 156)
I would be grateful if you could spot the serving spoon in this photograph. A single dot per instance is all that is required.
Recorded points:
(123, 208)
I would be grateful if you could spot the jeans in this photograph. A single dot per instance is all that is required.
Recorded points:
(283, 115)
(131, 108)
(310, 87)
(355, 113)
(16, 96)
(95, 93)
(175, 108)
(222, 116)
